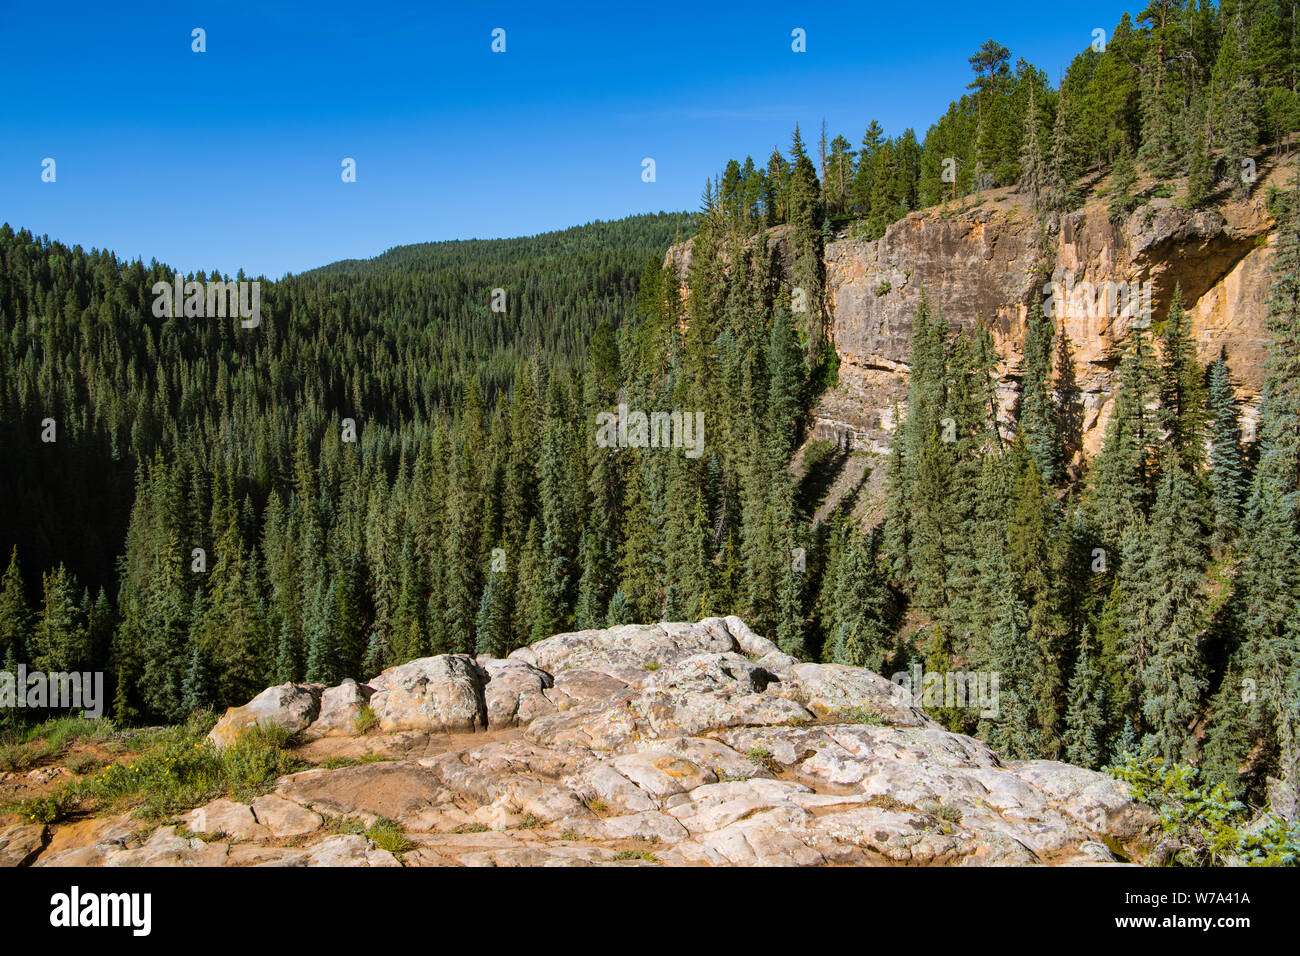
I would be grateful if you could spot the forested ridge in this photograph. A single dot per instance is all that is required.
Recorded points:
(1155, 605)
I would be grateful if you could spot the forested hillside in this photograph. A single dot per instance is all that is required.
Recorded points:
(205, 524)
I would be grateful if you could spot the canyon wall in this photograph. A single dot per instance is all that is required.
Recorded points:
(983, 263)
(980, 265)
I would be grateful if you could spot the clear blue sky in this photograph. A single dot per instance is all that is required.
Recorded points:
(231, 158)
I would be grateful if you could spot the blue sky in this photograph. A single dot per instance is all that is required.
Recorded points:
(231, 158)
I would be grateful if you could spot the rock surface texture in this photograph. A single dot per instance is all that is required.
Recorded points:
(670, 744)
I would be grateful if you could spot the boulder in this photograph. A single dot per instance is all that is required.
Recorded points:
(339, 708)
(19, 845)
(514, 692)
(443, 693)
(290, 707)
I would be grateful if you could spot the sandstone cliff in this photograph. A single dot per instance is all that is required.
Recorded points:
(981, 264)
(667, 743)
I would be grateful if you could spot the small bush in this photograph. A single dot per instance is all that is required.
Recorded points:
(48, 809)
(883, 288)
(347, 825)
(16, 758)
(636, 855)
(389, 835)
(471, 828)
(1201, 825)
(946, 811)
(83, 764)
(860, 715)
(200, 722)
(182, 772)
(365, 720)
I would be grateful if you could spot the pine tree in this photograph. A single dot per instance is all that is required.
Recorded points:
(1200, 167)
(1039, 418)
(1033, 175)
(1182, 395)
(1168, 585)
(322, 639)
(1271, 611)
(492, 624)
(1061, 173)
(1227, 464)
(859, 631)
(167, 622)
(15, 616)
(1228, 733)
(1012, 732)
(1085, 718)
(1123, 182)
(195, 693)
(60, 641)
(1121, 479)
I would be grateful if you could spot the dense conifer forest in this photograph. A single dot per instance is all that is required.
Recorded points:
(387, 468)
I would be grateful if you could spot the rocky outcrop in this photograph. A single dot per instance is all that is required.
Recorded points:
(986, 261)
(982, 266)
(667, 743)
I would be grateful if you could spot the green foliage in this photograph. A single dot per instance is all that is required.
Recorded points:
(365, 720)
(389, 835)
(178, 770)
(1201, 825)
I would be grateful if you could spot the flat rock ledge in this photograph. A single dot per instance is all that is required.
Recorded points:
(673, 743)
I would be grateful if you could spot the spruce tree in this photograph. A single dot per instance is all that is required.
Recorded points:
(1039, 419)
(1123, 182)
(859, 631)
(1169, 584)
(1271, 569)
(1085, 717)
(1033, 175)
(1181, 392)
(15, 616)
(1227, 463)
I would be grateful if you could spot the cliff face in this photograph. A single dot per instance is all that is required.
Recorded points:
(980, 266)
(983, 264)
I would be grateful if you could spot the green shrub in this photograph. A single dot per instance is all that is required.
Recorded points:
(47, 809)
(181, 772)
(365, 720)
(860, 715)
(389, 835)
(16, 758)
(1203, 826)
(83, 764)
(636, 855)
(345, 825)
